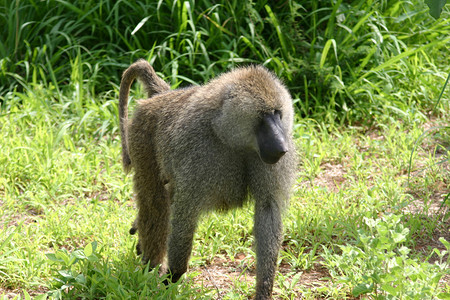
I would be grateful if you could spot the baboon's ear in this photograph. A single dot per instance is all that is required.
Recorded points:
(271, 138)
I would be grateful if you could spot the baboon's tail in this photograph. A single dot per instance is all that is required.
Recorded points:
(153, 85)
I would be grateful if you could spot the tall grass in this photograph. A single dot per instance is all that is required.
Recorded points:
(346, 56)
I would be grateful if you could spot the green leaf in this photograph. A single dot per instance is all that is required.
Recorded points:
(445, 296)
(26, 296)
(390, 289)
(362, 288)
(79, 254)
(446, 243)
(81, 279)
(40, 297)
(66, 274)
(398, 237)
(90, 248)
(435, 7)
(140, 24)
(62, 256)
(376, 278)
(326, 48)
(52, 257)
(278, 30)
(404, 251)
(371, 222)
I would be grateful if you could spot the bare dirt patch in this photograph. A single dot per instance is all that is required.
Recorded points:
(223, 275)
(13, 293)
(332, 177)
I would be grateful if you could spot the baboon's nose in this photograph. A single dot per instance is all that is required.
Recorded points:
(273, 156)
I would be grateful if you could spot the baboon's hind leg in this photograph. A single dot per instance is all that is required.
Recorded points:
(184, 223)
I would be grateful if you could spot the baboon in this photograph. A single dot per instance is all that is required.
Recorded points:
(204, 148)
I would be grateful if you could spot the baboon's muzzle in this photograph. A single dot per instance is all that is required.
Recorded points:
(271, 138)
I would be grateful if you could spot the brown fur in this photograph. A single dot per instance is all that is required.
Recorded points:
(195, 150)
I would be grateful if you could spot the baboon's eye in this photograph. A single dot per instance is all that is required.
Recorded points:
(278, 112)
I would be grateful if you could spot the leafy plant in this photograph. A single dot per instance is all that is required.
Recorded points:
(380, 265)
(85, 273)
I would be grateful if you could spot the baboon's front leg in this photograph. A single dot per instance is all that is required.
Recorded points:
(268, 234)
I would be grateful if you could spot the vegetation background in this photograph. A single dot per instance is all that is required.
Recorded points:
(370, 213)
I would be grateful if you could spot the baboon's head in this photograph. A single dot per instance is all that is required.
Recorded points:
(256, 113)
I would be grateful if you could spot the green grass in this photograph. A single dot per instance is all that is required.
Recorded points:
(371, 199)
(62, 188)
